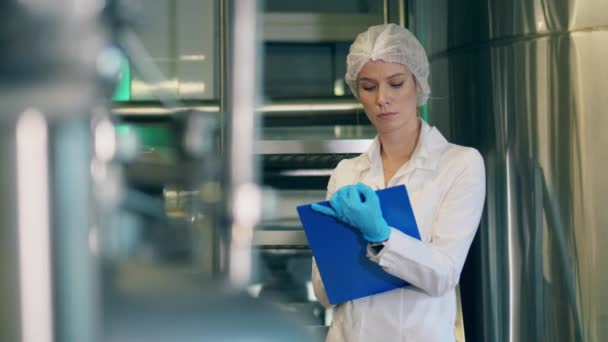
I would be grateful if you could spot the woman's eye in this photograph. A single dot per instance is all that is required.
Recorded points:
(368, 87)
(397, 85)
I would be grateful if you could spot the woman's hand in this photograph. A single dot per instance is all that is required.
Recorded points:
(359, 206)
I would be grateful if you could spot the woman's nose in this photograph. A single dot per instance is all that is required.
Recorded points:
(382, 96)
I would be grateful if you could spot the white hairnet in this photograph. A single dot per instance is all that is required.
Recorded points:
(393, 44)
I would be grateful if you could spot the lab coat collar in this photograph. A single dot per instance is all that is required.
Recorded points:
(425, 155)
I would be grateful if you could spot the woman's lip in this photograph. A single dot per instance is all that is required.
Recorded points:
(386, 114)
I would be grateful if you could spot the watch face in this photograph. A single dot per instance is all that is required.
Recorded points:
(377, 247)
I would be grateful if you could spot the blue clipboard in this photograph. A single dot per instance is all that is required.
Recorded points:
(341, 252)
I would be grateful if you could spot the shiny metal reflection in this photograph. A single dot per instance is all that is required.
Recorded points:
(283, 107)
(35, 280)
(244, 202)
(521, 82)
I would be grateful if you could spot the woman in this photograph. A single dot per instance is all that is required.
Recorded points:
(387, 70)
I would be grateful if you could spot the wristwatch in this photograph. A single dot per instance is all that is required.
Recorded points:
(377, 246)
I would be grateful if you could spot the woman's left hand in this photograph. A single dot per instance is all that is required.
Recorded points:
(358, 205)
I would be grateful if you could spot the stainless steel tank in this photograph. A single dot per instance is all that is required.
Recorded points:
(524, 82)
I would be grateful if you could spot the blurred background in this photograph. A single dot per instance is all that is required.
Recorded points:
(152, 155)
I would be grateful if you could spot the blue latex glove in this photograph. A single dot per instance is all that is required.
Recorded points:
(359, 206)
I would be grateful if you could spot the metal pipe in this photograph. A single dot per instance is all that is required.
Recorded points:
(26, 280)
(9, 284)
(402, 13)
(385, 11)
(279, 107)
(34, 229)
(243, 195)
(74, 248)
(223, 64)
(219, 234)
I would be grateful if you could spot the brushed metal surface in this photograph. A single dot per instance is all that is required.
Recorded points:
(312, 146)
(9, 263)
(280, 238)
(524, 82)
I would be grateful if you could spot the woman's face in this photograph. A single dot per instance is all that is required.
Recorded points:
(388, 93)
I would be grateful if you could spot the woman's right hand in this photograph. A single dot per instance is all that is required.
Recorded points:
(358, 205)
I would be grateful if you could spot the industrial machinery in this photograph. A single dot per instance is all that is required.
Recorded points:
(152, 156)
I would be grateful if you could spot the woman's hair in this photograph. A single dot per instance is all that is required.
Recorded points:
(393, 44)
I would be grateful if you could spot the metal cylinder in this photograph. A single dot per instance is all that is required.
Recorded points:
(75, 264)
(243, 196)
(520, 82)
(10, 329)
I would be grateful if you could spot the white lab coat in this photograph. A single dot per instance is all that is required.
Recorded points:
(446, 185)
